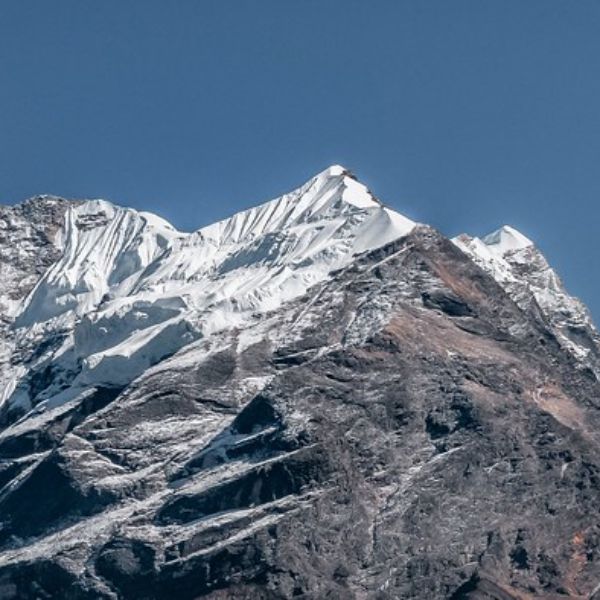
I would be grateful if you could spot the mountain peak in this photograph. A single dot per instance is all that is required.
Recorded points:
(507, 239)
(337, 171)
(40, 202)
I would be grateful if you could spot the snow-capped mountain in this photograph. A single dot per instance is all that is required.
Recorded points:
(129, 290)
(521, 269)
(314, 398)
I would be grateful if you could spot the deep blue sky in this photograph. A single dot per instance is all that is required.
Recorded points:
(466, 114)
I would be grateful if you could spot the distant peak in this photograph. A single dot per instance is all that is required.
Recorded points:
(337, 171)
(43, 199)
(507, 239)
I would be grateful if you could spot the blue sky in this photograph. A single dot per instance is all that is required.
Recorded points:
(466, 114)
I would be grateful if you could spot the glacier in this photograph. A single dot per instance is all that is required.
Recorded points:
(130, 290)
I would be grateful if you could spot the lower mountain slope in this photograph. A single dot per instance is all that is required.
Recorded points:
(405, 430)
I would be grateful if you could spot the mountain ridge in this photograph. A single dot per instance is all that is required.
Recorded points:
(273, 409)
(132, 273)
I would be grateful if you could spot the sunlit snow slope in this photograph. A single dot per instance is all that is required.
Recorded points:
(130, 290)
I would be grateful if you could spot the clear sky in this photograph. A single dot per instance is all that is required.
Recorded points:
(464, 114)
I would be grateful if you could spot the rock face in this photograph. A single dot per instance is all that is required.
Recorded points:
(30, 242)
(402, 427)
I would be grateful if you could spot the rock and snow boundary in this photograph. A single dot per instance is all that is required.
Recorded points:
(128, 290)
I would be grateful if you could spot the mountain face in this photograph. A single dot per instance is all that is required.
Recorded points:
(524, 273)
(316, 398)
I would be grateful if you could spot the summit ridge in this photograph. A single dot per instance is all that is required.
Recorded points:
(155, 289)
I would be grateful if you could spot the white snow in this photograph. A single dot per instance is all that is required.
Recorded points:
(130, 289)
(492, 250)
(506, 239)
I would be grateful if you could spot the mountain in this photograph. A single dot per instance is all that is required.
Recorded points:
(129, 290)
(315, 398)
(521, 269)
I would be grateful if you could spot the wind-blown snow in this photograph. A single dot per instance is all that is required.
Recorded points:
(106, 248)
(130, 290)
